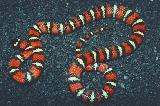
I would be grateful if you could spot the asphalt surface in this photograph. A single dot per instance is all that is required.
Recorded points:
(138, 74)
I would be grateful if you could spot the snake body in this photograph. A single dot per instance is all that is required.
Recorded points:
(85, 62)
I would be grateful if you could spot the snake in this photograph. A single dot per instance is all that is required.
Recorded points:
(90, 61)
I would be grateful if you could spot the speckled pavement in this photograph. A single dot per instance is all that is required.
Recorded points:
(138, 74)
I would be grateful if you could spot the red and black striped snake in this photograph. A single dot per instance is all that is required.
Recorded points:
(85, 62)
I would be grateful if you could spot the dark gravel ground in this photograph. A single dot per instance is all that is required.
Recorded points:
(138, 82)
